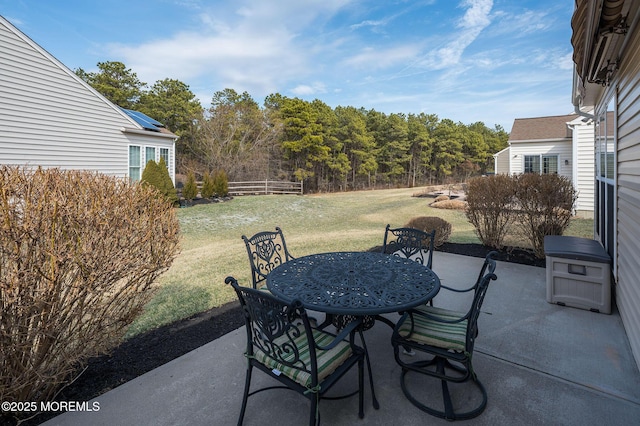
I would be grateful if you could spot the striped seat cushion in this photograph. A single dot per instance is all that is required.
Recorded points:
(328, 361)
(434, 333)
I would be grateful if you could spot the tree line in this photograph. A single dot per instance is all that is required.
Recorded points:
(330, 149)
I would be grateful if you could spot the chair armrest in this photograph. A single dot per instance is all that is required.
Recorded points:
(458, 290)
(347, 331)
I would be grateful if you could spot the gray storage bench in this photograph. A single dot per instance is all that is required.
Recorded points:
(578, 273)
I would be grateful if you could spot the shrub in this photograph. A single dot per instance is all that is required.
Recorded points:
(208, 187)
(79, 253)
(545, 206)
(167, 187)
(490, 207)
(441, 197)
(190, 189)
(450, 205)
(221, 183)
(157, 175)
(428, 224)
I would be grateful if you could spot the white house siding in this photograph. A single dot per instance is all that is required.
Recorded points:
(628, 192)
(519, 149)
(50, 118)
(583, 168)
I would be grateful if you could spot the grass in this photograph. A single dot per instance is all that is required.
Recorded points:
(212, 249)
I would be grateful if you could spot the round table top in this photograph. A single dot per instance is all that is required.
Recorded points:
(354, 283)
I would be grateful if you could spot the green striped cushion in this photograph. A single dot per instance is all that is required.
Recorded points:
(434, 333)
(328, 361)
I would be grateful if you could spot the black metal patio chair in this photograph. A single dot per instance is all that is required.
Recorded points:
(410, 243)
(445, 340)
(282, 344)
(266, 250)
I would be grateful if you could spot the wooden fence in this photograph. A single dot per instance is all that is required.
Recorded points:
(264, 187)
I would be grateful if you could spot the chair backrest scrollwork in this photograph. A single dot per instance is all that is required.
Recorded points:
(410, 243)
(266, 250)
(277, 330)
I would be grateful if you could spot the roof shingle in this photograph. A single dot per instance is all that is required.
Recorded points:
(543, 128)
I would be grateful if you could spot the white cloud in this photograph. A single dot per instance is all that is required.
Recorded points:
(475, 19)
(307, 90)
(477, 16)
(373, 58)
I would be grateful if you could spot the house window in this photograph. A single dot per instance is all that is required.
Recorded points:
(149, 154)
(605, 190)
(549, 164)
(164, 154)
(134, 163)
(532, 164)
(545, 164)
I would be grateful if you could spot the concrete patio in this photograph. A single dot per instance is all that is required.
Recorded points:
(541, 364)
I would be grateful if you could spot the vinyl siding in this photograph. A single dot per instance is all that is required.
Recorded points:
(50, 118)
(501, 162)
(560, 148)
(628, 193)
(583, 167)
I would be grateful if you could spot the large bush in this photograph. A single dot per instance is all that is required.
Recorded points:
(79, 254)
(490, 207)
(545, 206)
(428, 224)
(157, 175)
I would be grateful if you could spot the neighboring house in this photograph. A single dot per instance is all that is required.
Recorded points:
(560, 144)
(49, 117)
(606, 52)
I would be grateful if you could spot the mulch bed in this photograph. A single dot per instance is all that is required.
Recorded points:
(147, 351)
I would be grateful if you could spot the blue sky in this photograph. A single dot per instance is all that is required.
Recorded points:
(466, 60)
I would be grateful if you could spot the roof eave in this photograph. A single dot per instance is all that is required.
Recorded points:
(167, 135)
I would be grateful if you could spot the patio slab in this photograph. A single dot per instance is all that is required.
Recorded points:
(540, 363)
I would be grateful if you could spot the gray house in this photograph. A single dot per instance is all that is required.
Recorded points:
(49, 117)
(606, 88)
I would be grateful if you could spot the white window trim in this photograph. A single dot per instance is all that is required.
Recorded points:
(129, 166)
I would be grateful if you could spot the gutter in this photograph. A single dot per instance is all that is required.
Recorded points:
(150, 133)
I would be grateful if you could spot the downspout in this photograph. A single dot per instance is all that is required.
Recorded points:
(583, 114)
(574, 158)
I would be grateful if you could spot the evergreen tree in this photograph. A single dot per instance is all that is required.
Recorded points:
(221, 183)
(190, 189)
(208, 186)
(166, 183)
(157, 175)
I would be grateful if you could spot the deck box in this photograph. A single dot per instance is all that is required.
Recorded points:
(578, 273)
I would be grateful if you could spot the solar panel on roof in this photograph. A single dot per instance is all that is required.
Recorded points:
(144, 120)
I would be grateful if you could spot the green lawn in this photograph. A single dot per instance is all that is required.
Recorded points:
(212, 248)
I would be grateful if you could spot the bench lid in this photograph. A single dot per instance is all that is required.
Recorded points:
(575, 248)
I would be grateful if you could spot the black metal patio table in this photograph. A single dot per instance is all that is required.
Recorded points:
(354, 283)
